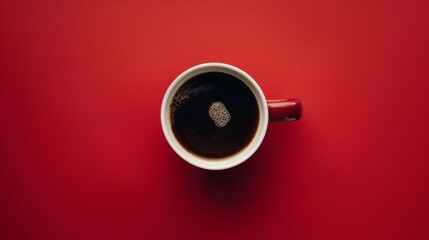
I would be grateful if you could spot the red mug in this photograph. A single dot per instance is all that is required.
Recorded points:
(268, 110)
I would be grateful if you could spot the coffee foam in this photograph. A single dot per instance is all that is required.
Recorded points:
(184, 93)
(219, 114)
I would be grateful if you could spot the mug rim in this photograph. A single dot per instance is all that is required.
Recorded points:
(228, 161)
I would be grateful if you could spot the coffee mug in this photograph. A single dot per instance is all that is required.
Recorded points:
(215, 115)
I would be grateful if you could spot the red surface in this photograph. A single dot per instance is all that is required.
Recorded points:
(82, 151)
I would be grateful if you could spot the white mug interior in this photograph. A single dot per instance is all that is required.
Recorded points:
(215, 163)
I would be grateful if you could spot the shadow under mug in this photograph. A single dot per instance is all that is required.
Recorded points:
(269, 110)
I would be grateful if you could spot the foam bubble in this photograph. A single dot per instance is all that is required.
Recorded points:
(219, 114)
(184, 93)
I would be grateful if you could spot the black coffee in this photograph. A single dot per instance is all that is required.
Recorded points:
(214, 115)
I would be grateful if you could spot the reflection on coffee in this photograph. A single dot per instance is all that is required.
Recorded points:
(214, 115)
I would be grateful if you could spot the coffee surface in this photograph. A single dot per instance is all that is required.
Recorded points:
(214, 115)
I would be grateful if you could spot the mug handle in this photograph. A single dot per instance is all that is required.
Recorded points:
(284, 110)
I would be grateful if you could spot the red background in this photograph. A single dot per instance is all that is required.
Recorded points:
(82, 152)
